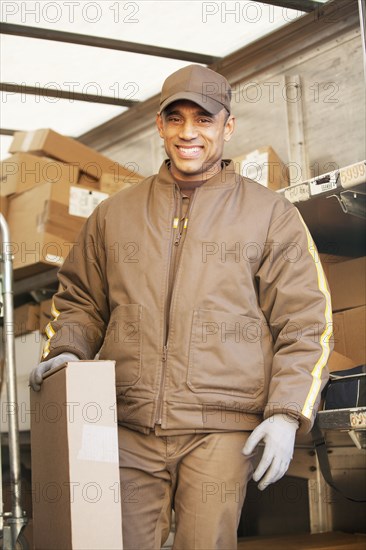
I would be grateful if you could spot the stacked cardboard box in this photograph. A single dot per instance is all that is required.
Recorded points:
(49, 186)
(26, 318)
(44, 222)
(264, 166)
(90, 163)
(48, 143)
(32, 316)
(348, 291)
(112, 183)
(23, 171)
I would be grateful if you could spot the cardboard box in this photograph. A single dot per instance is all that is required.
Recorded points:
(4, 206)
(75, 464)
(337, 361)
(23, 171)
(264, 166)
(45, 314)
(49, 143)
(86, 180)
(26, 318)
(349, 327)
(110, 183)
(347, 283)
(330, 259)
(44, 222)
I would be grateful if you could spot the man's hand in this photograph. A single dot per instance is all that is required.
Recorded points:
(36, 376)
(278, 433)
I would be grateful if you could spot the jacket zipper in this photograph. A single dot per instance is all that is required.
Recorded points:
(158, 418)
(177, 235)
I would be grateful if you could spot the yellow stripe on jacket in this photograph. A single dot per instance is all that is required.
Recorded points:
(49, 330)
(326, 334)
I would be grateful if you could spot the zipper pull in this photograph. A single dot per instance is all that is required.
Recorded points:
(177, 238)
(165, 353)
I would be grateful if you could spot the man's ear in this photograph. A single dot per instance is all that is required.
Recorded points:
(229, 128)
(159, 124)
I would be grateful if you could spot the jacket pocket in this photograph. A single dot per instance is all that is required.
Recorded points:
(225, 355)
(122, 343)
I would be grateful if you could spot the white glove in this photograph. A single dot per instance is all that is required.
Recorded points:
(278, 433)
(36, 376)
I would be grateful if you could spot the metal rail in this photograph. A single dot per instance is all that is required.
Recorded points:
(301, 5)
(107, 43)
(14, 521)
(65, 94)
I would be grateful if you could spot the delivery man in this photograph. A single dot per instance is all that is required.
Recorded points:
(206, 289)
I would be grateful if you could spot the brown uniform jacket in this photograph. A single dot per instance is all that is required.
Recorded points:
(214, 321)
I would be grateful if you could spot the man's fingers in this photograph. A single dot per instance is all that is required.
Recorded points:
(34, 381)
(36, 376)
(264, 464)
(252, 441)
(277, 470)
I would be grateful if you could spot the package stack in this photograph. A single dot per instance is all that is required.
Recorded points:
(264, 166)
(346, 279)
(49, 186)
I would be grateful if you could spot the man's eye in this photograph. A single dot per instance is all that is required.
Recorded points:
(204, 120)
(173, 119)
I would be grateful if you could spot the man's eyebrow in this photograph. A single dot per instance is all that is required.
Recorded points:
(202, 112)
(168, 111)
(206, 114)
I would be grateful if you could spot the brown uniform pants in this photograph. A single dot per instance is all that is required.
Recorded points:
(202, 476)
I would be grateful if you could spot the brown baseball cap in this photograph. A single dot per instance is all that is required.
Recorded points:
(199, 84)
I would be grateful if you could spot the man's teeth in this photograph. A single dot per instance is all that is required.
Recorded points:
(189, 149)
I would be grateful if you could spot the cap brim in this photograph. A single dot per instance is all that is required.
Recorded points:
(208, 104)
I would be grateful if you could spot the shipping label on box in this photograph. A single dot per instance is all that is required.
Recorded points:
(75, 459)
(83, 201)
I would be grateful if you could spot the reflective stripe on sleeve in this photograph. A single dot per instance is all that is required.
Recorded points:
(326, 334)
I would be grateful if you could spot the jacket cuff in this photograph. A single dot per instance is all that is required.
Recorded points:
(50, 353)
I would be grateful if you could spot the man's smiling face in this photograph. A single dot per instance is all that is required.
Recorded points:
(194, 139)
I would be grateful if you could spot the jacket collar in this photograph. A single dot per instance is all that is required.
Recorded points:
(227, 177)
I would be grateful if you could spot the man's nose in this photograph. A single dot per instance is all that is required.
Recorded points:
(187, 130)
